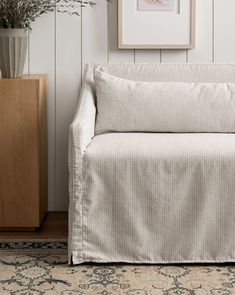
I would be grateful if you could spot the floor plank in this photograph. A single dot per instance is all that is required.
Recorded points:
(54, 227)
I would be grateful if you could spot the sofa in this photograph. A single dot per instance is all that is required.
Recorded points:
(152, 165)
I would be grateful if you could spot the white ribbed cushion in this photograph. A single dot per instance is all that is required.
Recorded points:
(125, 106)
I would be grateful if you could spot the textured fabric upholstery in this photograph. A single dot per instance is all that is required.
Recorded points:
(126, 106)
(152, 198)
(171, 72)
(81, 132)
(160, 198)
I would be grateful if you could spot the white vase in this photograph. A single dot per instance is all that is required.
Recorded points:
(13, 49)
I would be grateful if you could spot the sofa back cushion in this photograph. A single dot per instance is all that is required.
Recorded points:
(136, 106)
(170, 72)
(160, 72)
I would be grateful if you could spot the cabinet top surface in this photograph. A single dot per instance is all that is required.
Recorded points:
(26, 77)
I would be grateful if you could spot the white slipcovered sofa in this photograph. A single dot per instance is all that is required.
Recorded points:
(152, 165)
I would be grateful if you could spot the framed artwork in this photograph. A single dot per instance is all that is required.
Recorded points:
(160, 24)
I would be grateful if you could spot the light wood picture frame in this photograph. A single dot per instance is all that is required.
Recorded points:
(130, 18)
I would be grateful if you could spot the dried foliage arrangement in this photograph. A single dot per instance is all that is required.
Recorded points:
(19, 14)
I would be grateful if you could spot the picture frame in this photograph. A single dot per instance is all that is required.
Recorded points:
(160, 28)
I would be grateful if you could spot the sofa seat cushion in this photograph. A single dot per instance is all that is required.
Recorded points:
(182, 147)
(166, 195)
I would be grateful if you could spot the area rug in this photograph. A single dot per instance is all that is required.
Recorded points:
(41, 268)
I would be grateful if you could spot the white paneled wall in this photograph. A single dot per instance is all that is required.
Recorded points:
(42, 48)
(60, 45)
(67, 77)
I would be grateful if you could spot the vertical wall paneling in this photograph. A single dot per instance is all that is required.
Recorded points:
(147, 56)
(42, 60)
(203, 53)
(115, 55)
(68, 79)
(95, 33)
(224, 24)
(174, 56)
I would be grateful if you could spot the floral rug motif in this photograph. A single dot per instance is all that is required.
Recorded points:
(47, 272)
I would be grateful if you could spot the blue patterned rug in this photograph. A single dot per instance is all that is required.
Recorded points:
(41, 268)
(29, 246)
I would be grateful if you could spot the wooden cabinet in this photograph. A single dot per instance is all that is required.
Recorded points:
(23, 152)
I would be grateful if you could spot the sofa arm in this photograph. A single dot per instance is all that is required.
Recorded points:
(81, 133)
(82, 128)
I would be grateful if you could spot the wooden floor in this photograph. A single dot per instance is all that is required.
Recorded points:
(54, 227)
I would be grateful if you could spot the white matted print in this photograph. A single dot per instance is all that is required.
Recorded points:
(156, 5)
(156, 29)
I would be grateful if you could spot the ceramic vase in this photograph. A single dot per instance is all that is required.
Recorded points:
(13, 50)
